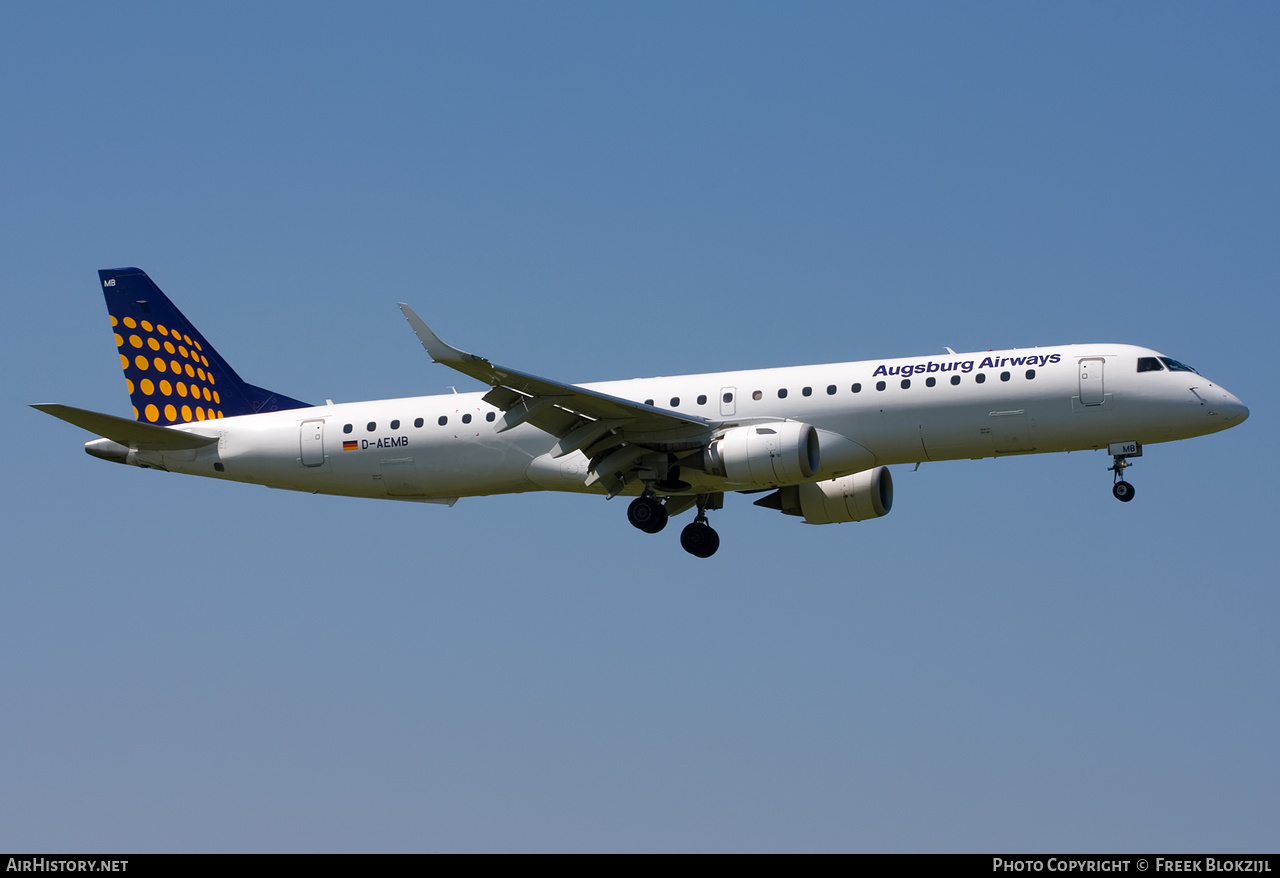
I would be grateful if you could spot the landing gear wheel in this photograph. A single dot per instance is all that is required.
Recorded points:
(1122, 490)
(647, 514)
(699, 539)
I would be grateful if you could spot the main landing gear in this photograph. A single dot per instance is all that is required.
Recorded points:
(699, 538)
(649, 514)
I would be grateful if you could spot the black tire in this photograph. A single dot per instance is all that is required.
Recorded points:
(699, 539)
(647, 514)
(1123, 491)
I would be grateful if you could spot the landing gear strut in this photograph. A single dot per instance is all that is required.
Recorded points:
(1120, 454)
(699, 538)
(647, 513)
(650, 515)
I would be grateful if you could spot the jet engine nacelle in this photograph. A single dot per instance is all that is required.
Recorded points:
(776, 453)
(857, 497)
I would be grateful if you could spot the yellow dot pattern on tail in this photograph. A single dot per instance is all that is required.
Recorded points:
(155, 401)
(173, 374)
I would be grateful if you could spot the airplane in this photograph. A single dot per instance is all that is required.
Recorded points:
(816, 441)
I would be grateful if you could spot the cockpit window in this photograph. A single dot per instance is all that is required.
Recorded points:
(1149, 364)
(1175, 366)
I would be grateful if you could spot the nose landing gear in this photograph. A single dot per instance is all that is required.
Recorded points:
(1123, 491)
(1120, 454)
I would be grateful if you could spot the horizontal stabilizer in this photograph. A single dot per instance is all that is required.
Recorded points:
(134, 434)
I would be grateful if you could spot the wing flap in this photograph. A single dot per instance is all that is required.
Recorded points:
(502, 397)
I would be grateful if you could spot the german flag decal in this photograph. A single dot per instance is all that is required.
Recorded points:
(350, 446)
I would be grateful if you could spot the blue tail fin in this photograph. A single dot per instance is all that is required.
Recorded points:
(174, 374)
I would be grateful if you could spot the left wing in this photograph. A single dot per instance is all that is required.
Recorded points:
(614, 433)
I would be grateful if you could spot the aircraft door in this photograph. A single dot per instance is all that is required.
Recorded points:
(728, 397)
(1092, 391)
(1010, 432)
(400, 478)
(312, 441)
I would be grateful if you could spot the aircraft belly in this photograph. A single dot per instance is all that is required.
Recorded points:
(567, 473)
(461, 467)
(890, 435)
(956, 432)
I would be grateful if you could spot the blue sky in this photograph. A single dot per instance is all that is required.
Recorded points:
(1010, 661)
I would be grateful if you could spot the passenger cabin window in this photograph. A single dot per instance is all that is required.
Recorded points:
(906, 382)
(489, 416)
(808, 391)
(417, 422)
(857, 388)
(1004, 376)
(782, 393)
(728, 397)
(880, 385)
(675, 401)
(1175, 366)
(371, 426)
(346, 428)
(1031, 373)
(702, 399)
(466, 419)
(444, 419)
(395, 425)
(980, 378)
(831, 390)
(648, 402)
(955, 379)
(930, 381)
(757, 395)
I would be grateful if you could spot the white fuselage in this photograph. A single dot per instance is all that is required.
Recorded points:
(439, 448)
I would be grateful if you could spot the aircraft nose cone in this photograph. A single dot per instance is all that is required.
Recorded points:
(1237, 410)
(1232, 409)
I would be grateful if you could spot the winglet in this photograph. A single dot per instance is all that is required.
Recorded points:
(565, 400)
(439, 351)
